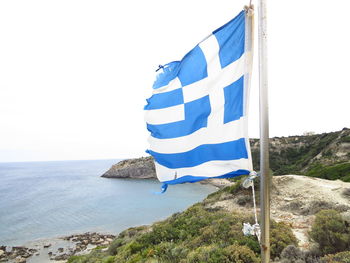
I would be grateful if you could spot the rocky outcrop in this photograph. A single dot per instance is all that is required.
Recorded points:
(140, 168)
(143, 168)
(15, 254)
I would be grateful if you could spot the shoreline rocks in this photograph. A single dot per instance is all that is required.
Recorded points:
(55, 250)
(16, 254)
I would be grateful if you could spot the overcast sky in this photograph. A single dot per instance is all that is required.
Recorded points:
(74, 74)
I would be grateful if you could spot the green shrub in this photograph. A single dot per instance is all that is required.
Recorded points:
(251, 242)
(76, 259)
(235, 188)
(134, 247)
(216, 254)
(333, 172)
(113, 247)
(94, 257)
(341, 257)
(345, 139)
(330, 232)
(169, 252)
(109, 259)
(240, 254)
(293, 254)
(281, 237)
(209, 254)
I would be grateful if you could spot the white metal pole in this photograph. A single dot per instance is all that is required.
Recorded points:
(264, 136)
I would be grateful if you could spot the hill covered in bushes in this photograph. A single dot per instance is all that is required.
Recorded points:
(325, 155)
(311, 217)
(211, 231)
(200, 234)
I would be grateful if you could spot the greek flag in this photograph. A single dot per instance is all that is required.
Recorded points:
(197, 115)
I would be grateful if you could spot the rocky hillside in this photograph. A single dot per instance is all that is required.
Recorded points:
(305, 154)
(211, 231)
(294, 199)
(324, 155)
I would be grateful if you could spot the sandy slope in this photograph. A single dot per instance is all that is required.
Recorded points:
(295, 199)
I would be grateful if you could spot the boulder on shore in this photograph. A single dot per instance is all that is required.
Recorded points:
(139, 168)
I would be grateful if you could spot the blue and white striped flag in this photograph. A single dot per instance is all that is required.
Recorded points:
(197, 115)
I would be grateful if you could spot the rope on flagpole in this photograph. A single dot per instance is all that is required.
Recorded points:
(248, 229)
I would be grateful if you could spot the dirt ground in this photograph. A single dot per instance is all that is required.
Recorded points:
(296, 199)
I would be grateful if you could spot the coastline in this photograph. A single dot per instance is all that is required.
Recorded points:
(59, 248)
(56, 249)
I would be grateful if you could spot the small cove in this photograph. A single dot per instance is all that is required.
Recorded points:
(41, 200)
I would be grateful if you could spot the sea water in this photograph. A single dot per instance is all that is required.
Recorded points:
(49, 199)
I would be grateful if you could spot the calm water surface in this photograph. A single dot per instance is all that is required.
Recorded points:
(48, 199)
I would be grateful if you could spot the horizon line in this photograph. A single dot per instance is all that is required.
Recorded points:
(72, 160)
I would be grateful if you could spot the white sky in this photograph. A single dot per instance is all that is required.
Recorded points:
(74, 74)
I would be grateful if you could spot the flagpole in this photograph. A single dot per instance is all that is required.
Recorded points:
(264, 136)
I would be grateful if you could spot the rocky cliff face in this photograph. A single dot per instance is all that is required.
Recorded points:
(140, 168)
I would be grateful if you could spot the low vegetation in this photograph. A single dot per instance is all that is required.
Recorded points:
(205, 234)
(331, 232)
(196, 235)
(331, 172)
(341, 257)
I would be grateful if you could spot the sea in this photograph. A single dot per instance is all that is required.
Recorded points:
(41, 200)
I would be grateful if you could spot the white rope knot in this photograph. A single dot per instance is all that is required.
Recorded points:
(249, 181)
(248, 229)
(249, 9)
(251, 230)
